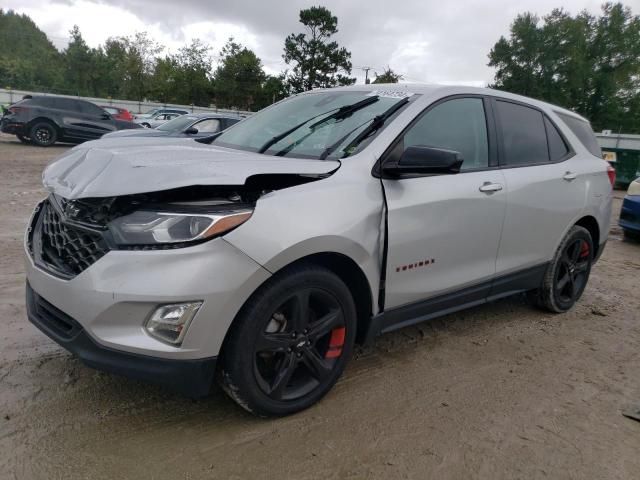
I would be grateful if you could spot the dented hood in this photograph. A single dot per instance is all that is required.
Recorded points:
(124, 166)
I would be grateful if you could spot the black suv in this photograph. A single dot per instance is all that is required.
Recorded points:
(44, 120)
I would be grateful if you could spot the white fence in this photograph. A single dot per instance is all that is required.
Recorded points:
(12, 96)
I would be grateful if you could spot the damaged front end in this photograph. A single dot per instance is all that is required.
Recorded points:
(67, 236)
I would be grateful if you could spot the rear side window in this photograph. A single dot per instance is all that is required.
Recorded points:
(89, 108)
(582, 130)
(557, 148)
(459, 125)
(524, 135)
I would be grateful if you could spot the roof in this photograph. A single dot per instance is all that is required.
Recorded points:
(620, 141)
(444, 90)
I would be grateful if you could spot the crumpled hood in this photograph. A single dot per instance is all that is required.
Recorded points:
(136, 132)
(125, 166)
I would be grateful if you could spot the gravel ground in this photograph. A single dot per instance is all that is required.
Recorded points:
(499, 391)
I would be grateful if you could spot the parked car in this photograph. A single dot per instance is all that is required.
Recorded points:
(630, 212)
(157, 120)
(261, 256)
(193, 125)
(45, 120)
(118, 113)
(157, 111)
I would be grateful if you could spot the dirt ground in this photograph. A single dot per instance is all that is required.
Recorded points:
(499, 391)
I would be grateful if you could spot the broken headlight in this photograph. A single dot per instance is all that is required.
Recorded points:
(146, 227)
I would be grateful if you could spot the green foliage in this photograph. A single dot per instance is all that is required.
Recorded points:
(586, 63)
(239, 77)
(318, 62)
(388, 76)
(27, 58)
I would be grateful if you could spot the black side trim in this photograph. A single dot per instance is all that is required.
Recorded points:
(421, 311)
(193, 378)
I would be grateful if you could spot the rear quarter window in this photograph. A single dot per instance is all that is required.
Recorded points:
(582, 130)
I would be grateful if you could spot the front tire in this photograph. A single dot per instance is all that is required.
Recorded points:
(567, 274)
(43, 134)
(290, 342)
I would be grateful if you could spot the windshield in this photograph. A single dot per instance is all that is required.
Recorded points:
(312, 124)
(178, 124)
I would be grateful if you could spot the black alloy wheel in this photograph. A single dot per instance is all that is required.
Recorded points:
(567, 275)
(43, 134)
(290, 342)
(301, 343)
(573, 271)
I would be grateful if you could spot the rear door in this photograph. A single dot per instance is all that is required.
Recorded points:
(546, 186)
(444, 230)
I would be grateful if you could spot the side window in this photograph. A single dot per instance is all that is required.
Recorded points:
(582, 130)
(459, 125)
(523, 134)
(90, 108)
(557, 147)
(210, 125)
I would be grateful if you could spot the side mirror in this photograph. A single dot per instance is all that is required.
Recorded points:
(419, 159)
(105, 116)
(191, 131)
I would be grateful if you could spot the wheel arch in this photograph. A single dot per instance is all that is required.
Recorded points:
(591, 224)
(49, 120)
(44, 119)
(347, 270)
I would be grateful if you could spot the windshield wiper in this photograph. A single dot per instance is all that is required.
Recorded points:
(376, 123)
(341, 112)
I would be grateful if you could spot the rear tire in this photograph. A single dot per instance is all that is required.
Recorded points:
(290, 342)
(43, 134)
(567, 274)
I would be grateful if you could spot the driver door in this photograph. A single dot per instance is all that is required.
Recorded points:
(444, 230)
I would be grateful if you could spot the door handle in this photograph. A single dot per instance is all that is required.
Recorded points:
(569, 176)
(488, 187)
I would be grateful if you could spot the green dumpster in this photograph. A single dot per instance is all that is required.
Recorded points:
(621, 150)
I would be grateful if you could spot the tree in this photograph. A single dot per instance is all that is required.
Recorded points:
(586, 63)
(78, 64)
(139, 61)
(193, 72)
(28, 60)
(239, 77)
(317, 61)
(388, 76)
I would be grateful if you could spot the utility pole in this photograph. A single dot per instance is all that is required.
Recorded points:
(366, 75)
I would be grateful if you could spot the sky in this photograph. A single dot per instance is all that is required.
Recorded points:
(424, 40)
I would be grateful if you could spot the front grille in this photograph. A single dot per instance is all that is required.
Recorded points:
(62, 247)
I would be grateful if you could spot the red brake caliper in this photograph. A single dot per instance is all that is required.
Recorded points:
(335, 343)
(584, 250)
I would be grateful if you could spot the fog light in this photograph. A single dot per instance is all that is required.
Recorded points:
(169, 323)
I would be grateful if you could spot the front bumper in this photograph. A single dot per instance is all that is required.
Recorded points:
(630, 213)
(112, 299)
(193, 378)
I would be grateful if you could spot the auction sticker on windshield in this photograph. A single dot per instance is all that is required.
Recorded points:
(390, 93)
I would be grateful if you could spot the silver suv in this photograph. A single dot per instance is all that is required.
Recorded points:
(261, 255)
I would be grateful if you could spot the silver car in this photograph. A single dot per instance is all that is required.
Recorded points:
(331, 217)
(158, 119)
